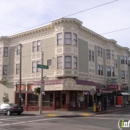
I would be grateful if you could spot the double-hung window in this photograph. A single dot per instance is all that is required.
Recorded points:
(123, 74)
(4, 69)
(112, 54)
(36, 46)
(75, 39)
(100, 70)
(108, 54)
(91, 55)
(67, 38)
(17, 68)
(38, 69)
(75, 62)
(99, 51)
(115, 64)
(122, 59)
(59, 39)
(108, 71)
(113, 72)
(5, 51)
(59, 62)
(34, 66)
(18, 50)
(49, 62)
(68, 62)
(1, 51)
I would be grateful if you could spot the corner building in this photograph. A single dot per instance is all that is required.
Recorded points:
(83, 65)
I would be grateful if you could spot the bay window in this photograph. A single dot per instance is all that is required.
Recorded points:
(59, 39)
(59, 62)
(75, 62)
(4, 69)
(75, 39)
(108, 71)
(5, 51)
(68, 62)
(67, 38)
(122, 59)
(108, 54)
(100, 70)
(123, 74)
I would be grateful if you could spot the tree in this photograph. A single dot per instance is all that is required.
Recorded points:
(6, 98)
(37, 90)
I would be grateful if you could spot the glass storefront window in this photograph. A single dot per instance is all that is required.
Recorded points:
(47, 100)
(72, 99)
(32, 100)
(80, 99)
(22, 99)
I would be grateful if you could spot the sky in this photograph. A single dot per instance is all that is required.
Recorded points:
(17, 16)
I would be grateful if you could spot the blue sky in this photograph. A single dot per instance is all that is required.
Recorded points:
(16, 16)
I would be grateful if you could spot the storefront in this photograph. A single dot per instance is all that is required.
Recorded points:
(58, 94)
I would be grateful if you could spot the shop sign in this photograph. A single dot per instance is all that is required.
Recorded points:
(112, 82)
(106, 91)
(112, 86)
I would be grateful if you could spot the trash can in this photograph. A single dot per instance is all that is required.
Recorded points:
(94, 107)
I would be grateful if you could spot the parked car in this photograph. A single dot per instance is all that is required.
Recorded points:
(9, 108)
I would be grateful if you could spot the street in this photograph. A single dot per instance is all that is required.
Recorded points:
(32, 122)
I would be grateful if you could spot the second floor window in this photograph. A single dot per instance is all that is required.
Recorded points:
(123, 74)
(49, 62)
(108, 54)
(115, 63)
(4, 69)
(17, 68)
(108, 71)
(68, 62)
(99, 51)
(67, 38)
(34, 66)
(75, 39)
(59, 39)
(113, 71)
(75, 62)
(59, 62)
(36, 46)
(5, 51)
(1, 52)
(100, 70)
(91, 55)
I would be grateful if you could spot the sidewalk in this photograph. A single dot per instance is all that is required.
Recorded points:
(78, 113)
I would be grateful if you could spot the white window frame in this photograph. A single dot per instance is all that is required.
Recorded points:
(49, 60)
(36, 47)
(75, 60)
(5, 70)
(60, 62)
(59, 39)
(6, 53)
(74, 39)
(68, 62)
(68, 38)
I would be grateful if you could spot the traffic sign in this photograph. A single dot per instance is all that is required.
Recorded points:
(42, 66)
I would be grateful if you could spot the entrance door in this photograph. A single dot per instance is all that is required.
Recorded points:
(63, 102)
(57, 99)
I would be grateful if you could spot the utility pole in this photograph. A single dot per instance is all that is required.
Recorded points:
(42, 85)
(20, 67)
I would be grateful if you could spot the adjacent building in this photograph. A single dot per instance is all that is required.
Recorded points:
(82, 64)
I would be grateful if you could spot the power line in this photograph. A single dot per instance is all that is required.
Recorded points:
(73, 14)
(116, 31)
(91, 8)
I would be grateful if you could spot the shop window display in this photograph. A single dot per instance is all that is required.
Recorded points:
(72, 99)
(32, 100)
(22, 99)
(47, 100)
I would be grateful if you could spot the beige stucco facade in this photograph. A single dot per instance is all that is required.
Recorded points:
(86, 40)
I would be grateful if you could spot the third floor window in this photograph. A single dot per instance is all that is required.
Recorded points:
(99, 51)
(115, 63)
(123, 74)
(112, 54)
(5, 51)
(59, 39)
(67, 38)
(1, 51)
(36, 46)
(75, 39)
(123, 59)
(108, 54)
(91, 55)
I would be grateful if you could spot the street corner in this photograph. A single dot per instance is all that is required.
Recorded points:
(86, 114)
(50, 115)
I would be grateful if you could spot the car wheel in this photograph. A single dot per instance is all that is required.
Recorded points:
(8, 113)
(19, 113)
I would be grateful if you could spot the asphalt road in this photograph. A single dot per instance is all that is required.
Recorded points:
(31, 122)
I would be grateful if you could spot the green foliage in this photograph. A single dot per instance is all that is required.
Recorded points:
(5, 98)
(37, 91)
